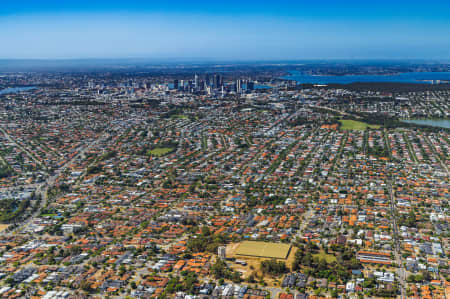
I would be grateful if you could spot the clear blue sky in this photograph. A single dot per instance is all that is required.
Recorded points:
(215, 29)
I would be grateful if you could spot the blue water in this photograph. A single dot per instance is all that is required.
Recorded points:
(262, 86)
(415, 77)
(16, 89)
(442, 123)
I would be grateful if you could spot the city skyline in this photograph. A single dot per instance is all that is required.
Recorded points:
(284, 30)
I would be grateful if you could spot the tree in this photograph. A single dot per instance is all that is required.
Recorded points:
(86, 286)
(273, 267)
(219, 269)
(251, 278)
(189, 282)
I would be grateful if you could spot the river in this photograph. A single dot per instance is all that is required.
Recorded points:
(413, 77)
(442, 123)
(16, 89)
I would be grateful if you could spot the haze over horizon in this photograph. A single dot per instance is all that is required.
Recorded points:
(254, 30)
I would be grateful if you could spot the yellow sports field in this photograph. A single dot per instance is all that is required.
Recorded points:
(263, 249)
(3, 227)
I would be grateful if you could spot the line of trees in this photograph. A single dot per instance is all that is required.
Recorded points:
(11, 209)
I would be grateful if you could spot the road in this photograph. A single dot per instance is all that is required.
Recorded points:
(334, 110)
(11, 140)
(398, 258)
(273, 292)
(430, 144)
(308, 214)
(42, 188)
(412, 154)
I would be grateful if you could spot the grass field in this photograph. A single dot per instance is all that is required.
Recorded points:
(263, 249)
(348, 124)
(179, 116)
(328, 257)
(159, 151)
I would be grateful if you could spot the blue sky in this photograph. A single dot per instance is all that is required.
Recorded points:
(222, 30)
